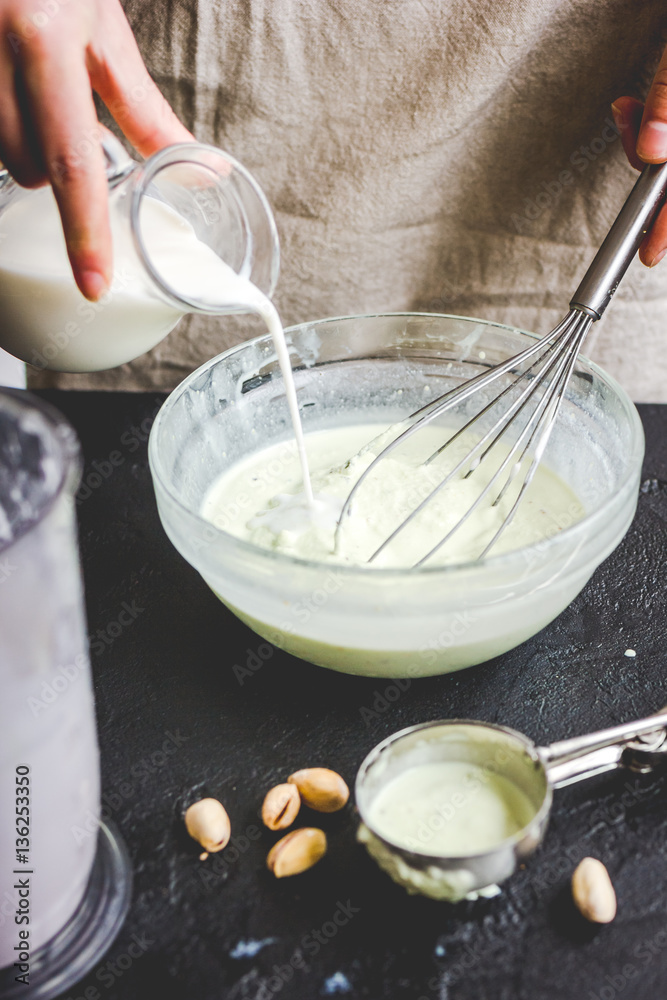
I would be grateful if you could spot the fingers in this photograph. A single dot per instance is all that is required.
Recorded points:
(49, 128)
(654, 247)
(121, 79)
(652, 140)
(628, 115)
(62, 113)
(17, 152)
(627, 112)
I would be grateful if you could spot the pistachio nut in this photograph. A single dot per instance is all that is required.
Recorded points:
(280, 807)
(296, 852)
(320, 788)
(593, 892)
(207, 822)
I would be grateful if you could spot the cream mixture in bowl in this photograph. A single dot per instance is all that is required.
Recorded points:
(231, 495)
(280, 518)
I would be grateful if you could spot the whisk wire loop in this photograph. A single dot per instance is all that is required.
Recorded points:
(540, 422)
(552, 352)
(555, 403)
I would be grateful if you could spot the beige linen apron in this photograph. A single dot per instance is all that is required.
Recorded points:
(442, 155)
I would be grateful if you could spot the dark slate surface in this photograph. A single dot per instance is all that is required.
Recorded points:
(174, 721)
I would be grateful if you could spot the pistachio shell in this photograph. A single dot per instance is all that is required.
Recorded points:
(593, 892)
(207, 822)
(320, 788)
(297, 851)
(281, 806)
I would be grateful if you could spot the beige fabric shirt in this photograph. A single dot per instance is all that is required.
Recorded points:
(441, 155)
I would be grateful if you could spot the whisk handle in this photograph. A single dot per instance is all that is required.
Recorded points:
(622, 241)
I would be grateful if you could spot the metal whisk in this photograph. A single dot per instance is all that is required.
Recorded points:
(542, 372)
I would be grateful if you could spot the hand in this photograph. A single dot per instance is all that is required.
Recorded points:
(53, 55)
(643, 131)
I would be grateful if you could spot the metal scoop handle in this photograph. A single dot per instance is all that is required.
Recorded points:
(639, 745)
(622, 241)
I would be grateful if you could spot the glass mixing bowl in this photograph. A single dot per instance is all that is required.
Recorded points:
(361, 619)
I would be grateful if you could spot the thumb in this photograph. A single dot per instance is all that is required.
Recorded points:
(628, 112)
(652, 139)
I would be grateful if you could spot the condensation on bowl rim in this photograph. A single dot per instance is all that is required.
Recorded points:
(580, 527)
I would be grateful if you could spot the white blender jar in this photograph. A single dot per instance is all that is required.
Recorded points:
(65, 879)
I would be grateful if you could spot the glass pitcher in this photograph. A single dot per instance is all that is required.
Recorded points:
(179, 222)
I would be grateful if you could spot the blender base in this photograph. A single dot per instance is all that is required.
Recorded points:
(89, 932)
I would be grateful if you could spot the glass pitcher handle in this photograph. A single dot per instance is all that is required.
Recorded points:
(118, 163)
